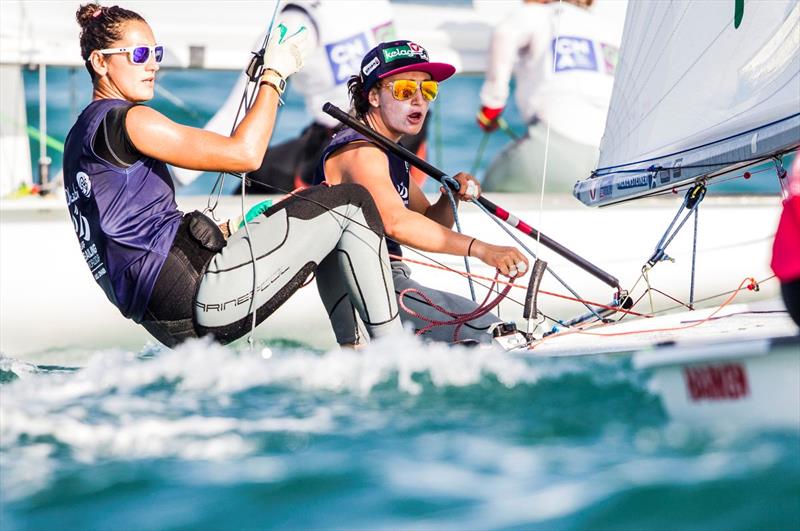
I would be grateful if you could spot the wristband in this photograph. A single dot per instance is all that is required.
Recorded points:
(469, 249)
(273, 79)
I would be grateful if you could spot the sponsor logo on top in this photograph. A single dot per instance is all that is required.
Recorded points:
(371, 66)
(84, 184)
(404, 51)
(72, 194)
(80, 224)
(403, 191)
(344, 56)
(574, 53)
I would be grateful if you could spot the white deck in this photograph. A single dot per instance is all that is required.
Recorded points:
(730, 325)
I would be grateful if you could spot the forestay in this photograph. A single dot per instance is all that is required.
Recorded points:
(694, 94)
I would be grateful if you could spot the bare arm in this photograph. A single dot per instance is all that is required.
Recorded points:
(188, 147)
(368, 166)
(158, 137)
(442, 211)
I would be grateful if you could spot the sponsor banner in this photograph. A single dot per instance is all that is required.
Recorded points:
(716, 382)
(573, 53)
(598, 190)
(636, 181)
(345, 56)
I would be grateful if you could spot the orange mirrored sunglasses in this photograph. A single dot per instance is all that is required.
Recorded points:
(404, 89)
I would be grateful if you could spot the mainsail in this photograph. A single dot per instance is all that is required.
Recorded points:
(695, 94)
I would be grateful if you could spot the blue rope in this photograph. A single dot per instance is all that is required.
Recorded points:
(447, 180)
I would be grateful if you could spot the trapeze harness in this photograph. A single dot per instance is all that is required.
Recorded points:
(176, 274)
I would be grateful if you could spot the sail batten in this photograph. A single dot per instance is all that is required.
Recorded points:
(692, 87)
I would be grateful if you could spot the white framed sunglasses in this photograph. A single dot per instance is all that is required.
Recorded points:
(139, 54)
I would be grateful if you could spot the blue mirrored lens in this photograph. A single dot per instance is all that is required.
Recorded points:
(140, 54)
(159, 53)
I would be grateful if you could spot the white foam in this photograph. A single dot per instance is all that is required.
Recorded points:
(124, 406)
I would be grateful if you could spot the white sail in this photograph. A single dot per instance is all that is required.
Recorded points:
(694, 93)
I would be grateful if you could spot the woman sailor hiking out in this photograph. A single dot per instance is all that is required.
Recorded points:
(391, 95)
(177, 274)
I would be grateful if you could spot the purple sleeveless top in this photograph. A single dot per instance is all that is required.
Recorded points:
(125, 218)
(398, 172)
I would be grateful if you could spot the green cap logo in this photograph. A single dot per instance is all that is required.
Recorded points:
(404, 51)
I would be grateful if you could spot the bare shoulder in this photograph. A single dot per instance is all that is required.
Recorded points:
(142, 117)
(359, 152)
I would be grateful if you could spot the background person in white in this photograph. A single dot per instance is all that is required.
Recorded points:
(340, 33)
(570, 91)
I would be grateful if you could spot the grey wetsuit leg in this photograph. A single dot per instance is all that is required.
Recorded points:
(290, 241)
(477, 329)
(346, 325)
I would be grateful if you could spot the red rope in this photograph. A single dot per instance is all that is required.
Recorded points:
(458, 319)
(745, 284)
(511, 284)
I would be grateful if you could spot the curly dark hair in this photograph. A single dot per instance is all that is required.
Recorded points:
(100, 27)
(359, 102)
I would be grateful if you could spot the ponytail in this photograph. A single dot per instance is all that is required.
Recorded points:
(100, 28)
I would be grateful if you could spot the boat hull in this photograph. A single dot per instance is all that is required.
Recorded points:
(50, 301)
(751, 382)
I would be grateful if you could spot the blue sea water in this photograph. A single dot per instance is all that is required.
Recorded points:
(398, 436)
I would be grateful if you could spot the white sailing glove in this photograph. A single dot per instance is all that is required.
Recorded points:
(286, 53)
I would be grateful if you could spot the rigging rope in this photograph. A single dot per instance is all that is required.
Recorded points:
(253, 72)
(458, 319)
(584, 331)
(547, 137)
(525, 247)
(442, 267)
(447, 180)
